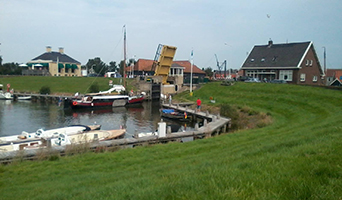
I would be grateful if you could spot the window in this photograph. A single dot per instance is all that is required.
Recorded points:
(314, 79)
(285, 75)
(302, 77)
(311, 61)
(262, 59)
(307, 62)
(252, 60)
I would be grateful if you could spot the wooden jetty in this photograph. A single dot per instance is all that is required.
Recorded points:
(212, 125)
(42, 97)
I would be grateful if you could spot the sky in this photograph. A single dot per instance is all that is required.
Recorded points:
(229, 29)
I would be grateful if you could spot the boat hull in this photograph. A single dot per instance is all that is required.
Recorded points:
(135, 100)
(97, 101)
(25, 140)
(174, 115)
(6, 96)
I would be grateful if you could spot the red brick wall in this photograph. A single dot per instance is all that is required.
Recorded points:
(310, 70)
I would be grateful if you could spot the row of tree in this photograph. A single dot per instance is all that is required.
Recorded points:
(95, 65)
(9, 68)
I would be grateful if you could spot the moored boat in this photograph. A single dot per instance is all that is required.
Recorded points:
(24, 98)
(5, 95)
(88, 137)
(18, 142)
(99, 100)
(137, 99)
(103, 100)
(173, 114)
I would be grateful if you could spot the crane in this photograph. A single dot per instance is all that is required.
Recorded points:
(224, 63)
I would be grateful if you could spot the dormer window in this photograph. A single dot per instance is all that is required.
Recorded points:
(262, 59)
(274, 58)
(252, 60)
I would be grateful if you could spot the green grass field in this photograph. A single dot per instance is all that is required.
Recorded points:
(69, 85)
(298, 156)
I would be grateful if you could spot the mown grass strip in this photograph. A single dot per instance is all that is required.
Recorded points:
(296, 157)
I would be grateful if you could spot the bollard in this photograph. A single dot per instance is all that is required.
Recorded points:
(168, 131)
(196, 127)
(161, 129)
(205, 123)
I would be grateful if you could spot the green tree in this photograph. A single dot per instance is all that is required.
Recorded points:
(96, 66)
(112, 67)
(10, 69)
(208, 71)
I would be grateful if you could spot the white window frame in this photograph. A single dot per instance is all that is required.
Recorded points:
(283, 73)
(314, 79)
(311, 62)
(307, 62)
(302, 77)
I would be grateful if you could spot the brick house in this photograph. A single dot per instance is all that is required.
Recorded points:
(295, 63)
(53, 63)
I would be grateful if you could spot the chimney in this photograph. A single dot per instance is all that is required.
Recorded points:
(61, 50)
(270, 43)
(48, 49)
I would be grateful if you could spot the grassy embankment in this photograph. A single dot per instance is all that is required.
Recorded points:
(59, 85)
(297, 157)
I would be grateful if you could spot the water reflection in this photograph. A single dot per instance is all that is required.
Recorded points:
(19, 116)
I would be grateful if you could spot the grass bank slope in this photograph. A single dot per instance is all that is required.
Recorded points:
(297, 157)
(60, 84)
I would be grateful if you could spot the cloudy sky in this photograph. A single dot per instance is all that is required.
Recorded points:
(94, 28)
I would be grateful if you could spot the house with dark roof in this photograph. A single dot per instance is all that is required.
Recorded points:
(53, 63)
(293, 62)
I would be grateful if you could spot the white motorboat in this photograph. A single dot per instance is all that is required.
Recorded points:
(5, 95)
(87, 137)
(19, 142)
(24, 97)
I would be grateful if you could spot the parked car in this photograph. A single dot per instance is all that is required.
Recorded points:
(253, 80)
(278, 81)
(93, 75)
(243, 78)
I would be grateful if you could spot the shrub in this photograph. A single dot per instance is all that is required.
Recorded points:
(94, 88)
(233, 113)
(45, 90)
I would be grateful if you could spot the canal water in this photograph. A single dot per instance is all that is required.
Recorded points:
(18, 116)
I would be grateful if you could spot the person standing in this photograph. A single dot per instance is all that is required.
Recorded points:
(199, 102)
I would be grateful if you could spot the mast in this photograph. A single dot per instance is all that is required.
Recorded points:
(192, 62)
(124, 63)
(325, 60)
